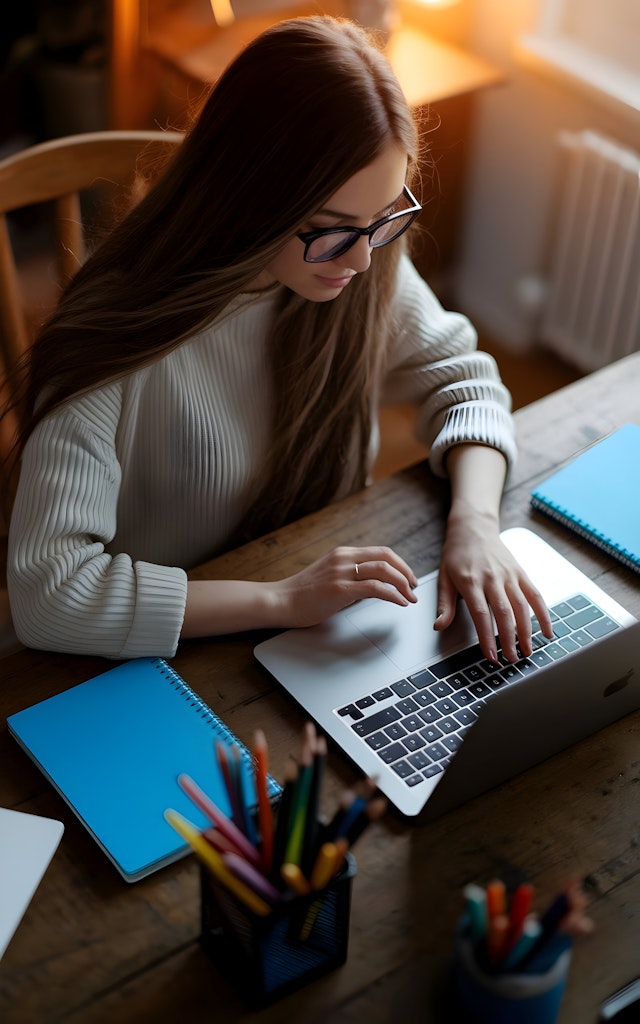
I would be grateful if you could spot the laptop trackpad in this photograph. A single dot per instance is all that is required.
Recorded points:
(406, 634)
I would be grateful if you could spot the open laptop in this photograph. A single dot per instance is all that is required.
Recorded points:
(432, 721)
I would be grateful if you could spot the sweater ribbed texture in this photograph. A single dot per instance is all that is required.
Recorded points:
(124, 489)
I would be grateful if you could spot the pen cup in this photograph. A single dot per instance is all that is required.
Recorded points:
(265, 958)
(508, 997)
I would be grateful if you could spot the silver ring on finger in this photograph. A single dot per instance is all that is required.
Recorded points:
(357, 568)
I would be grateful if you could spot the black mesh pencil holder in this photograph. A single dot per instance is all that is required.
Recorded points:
(265, 958)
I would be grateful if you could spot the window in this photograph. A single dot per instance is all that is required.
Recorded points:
(594, 42)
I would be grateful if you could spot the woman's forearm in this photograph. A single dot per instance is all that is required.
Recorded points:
(216, 607)
(477, 474)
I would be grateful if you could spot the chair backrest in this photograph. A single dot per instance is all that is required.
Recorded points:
(61, 171)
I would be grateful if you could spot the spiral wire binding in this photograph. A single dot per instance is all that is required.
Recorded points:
(203, 709)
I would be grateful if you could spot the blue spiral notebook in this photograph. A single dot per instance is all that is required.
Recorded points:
(114, 746)
(598, 495)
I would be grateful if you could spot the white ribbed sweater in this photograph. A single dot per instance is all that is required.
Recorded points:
(123, 489)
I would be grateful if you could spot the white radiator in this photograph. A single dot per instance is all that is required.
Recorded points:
(592, 315)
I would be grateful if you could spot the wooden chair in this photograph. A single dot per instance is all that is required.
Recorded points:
(62, 171)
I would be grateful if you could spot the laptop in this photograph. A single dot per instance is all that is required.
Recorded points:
(434, 722)
(27, 844)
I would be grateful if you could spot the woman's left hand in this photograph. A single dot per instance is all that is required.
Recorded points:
(476, 566)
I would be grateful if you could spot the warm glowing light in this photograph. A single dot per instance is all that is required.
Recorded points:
(222, 12)
(439, 3)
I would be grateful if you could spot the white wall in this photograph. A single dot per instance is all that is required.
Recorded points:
(513, 171)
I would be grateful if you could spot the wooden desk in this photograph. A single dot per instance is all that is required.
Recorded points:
(93, 949)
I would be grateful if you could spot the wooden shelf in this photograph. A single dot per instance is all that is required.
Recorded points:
(428, 69)
(199, 49)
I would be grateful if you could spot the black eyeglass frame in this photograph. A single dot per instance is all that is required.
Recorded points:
(309, 237)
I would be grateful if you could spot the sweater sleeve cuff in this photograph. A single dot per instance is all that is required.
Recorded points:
(161, 597)
(474, 423)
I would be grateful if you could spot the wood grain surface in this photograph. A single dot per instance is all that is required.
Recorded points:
(93, 949)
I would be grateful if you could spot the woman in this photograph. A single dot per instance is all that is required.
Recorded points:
(215, 368)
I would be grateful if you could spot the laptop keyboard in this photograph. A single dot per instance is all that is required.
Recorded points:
(416, 724)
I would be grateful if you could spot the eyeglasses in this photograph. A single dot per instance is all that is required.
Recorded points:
(328, 243)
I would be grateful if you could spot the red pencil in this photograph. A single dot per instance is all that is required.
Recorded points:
(520, 906)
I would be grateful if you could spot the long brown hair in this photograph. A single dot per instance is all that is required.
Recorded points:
(304, 107)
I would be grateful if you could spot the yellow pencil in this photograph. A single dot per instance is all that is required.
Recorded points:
(328, 862)
(310, 919)
(212, 859)
(294, 878)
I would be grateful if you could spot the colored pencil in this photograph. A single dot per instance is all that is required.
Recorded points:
(265, 811)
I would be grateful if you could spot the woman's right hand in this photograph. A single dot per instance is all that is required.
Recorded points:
(338, 579)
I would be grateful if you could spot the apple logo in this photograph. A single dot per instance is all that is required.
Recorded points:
(618, 684)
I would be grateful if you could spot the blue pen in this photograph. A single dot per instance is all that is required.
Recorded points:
(547, 953)
(349, 816)
(549, 923)
(554, 913)
(244, 783)
(241, 813)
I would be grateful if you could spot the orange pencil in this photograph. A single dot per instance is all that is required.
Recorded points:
(265, 813)
(292, 875)
(496, 898)
(497, 932)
